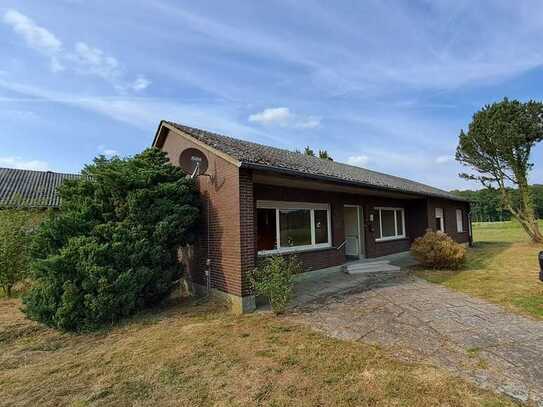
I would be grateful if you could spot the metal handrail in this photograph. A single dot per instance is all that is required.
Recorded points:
(341, 245)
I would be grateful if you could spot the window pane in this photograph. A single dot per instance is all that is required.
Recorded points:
(387, 223)
(439, 220)
(399, 222)
(459, 221)
(266, 229)
(295, 227)
(321, 226)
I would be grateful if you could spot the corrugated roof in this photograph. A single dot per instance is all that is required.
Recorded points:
(272, 158)
(36, 189)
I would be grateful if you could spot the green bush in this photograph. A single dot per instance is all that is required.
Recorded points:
(438, 251)
(16, 229)
(112, 248)
(273, 279)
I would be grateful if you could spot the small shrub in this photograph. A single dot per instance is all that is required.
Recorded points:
(438, 251)
(273, 279)
(16, 229)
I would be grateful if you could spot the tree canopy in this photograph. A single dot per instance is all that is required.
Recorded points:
(112, 248)
(16, 229)
(497, 147)
(322, 153)
(486, 203)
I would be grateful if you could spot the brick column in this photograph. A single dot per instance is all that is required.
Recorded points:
(247, 235)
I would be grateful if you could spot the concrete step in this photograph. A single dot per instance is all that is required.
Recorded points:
(370, 268)
(367, 264)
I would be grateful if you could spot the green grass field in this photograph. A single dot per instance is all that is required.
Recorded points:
(501, 268)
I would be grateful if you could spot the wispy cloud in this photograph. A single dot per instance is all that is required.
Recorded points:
(272, 115)
(140, 83)
(22, 164)
(107, 152)
(282, 116)
(36, 37)
(84, 59)
(339, 50)
(146, 113)
(358, 160)
(442, 159)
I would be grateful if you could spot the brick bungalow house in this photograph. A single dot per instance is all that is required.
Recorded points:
(262, 200)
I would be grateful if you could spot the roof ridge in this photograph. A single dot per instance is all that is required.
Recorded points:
(239, 139)
(39, 171)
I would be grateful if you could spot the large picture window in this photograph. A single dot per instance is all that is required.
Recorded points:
(390, 224)
(292, 226)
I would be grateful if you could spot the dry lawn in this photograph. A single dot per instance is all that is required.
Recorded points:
(199, 355)
(502, 268)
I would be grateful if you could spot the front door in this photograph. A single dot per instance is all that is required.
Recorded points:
(352, 231)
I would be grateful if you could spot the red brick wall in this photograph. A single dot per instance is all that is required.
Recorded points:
(319, 258)
(247, 228)
(449, 212)
(414, 211)
(222, 191)
(417, 220)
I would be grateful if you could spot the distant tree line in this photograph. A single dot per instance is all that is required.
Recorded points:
(487, 203)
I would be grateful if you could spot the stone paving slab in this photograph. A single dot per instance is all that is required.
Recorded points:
(423, 322)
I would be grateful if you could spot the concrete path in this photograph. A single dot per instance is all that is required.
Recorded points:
(423, 322)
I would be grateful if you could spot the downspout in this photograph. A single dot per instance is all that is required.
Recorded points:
(470, 230)
(208, 260)
(207, 271)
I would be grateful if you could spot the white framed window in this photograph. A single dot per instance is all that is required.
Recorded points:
(440, 220)
(390, 224)
(284, 227)
(459, 221)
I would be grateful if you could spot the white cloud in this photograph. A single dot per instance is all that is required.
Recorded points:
(108, 152)
(36, 37)
(90, 60)
(282, 116)
(272, 115)
(442, 159)
(21, 164)
(358, 160)
(84, 59)
(309, 123)
(146, 113)
(140, 83)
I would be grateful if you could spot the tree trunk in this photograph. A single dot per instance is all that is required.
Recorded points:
(7, 289)
(532, 229)
(527, 213)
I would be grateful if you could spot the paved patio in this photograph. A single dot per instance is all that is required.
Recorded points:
(423, 322)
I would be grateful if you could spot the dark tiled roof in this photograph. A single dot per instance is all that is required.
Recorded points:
(253, 154)
(36, 189)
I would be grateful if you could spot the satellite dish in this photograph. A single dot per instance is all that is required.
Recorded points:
(193, 162)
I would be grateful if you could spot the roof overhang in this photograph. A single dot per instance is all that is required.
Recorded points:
(360, 186)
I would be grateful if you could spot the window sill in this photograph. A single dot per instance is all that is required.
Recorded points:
(294, 250)
(391, 239)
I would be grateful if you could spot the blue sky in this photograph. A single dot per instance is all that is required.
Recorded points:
(386, 85)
